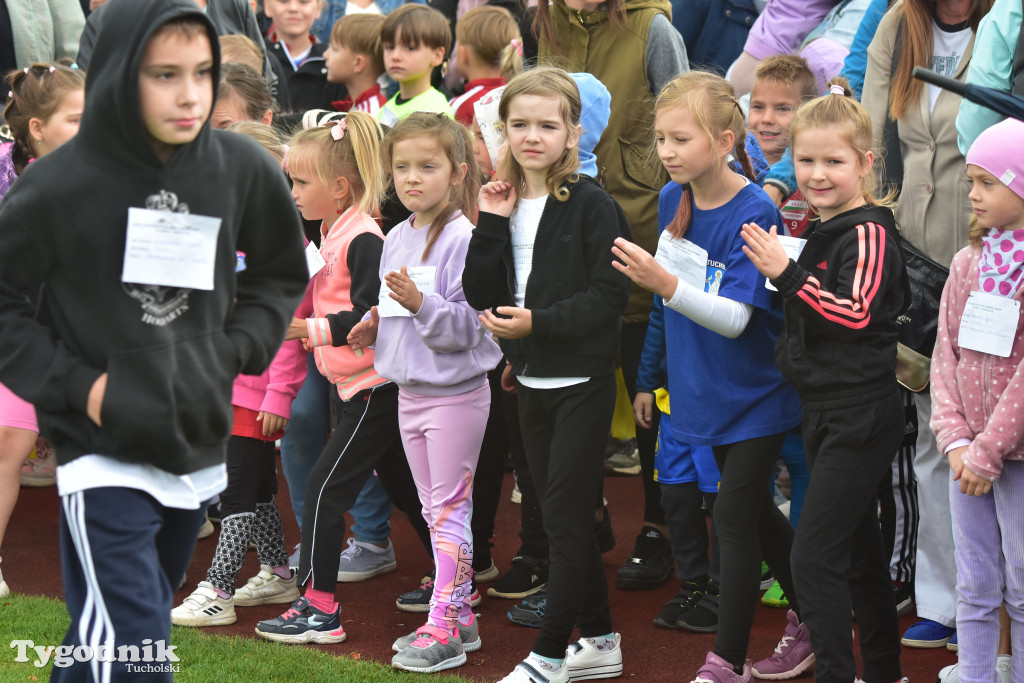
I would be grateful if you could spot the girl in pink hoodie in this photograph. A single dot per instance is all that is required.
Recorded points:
(977, 378)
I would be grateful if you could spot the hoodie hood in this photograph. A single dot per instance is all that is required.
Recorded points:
(112, 128)
(590, 17)
(597, 108)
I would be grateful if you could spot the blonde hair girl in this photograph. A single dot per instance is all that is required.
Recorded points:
(539, 255)
(721, 324)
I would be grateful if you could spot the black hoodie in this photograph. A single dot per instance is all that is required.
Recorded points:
(171, 353)
(842, 298)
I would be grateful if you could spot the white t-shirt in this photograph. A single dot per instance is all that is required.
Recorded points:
(948, 49)
(523, 224)
(353, 8)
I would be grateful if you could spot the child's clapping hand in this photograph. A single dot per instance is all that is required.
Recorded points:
(364, 333)
(403, 290)
(765, 250)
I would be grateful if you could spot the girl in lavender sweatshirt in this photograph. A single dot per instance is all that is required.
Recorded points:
(430, 342)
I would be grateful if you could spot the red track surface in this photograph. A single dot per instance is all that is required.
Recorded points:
(31, 566)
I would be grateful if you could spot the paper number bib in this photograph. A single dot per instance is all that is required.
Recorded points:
(989, 324)
(170, 249)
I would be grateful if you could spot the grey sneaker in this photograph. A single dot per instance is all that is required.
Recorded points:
(625, 460)
(469, 634)
(433, 650)
(361, 561)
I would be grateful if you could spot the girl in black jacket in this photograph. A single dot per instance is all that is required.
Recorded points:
(539, 258)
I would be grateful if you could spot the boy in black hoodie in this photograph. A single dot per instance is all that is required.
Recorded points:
(123, 320)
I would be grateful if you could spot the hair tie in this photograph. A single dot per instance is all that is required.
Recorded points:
(52, 68)
(26, 70)
(517, 45)
(836, 89)
(338, 129)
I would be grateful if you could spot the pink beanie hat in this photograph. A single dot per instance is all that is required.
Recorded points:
(1000, 151)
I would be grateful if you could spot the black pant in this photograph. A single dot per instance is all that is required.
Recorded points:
(838, 555)
(252, 475)
(749, 527)
(631, 346)
(688, 531)
(366, 439)
(897, 500)
(564, 433)
(122, 555)
(490, 471)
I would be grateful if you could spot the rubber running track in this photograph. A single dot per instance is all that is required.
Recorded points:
(372, 621)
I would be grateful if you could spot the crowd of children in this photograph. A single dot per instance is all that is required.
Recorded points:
(476, 265)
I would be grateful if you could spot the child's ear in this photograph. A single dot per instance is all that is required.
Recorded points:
(359, 63)
(867, 163)
(460, 173)
(35, 129)
(342, 187)
(268, 116)
(438, 57)
(574, 136)
(726, 143)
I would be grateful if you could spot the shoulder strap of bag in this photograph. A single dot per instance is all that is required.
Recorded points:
(1018, 62)
(892, 168)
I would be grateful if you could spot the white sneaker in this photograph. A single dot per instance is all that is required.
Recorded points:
(206, 529)
(4, 589)
(951, 674)
(586, 662)
(267, 588)
(526, 672)
(40, 467)
(361, 561)
(204, 608)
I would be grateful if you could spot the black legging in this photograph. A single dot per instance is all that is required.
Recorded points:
(749, 526)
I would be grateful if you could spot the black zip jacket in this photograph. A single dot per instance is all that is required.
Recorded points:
(574, 294)
(842, 298)
(307, 86)
(171, 353)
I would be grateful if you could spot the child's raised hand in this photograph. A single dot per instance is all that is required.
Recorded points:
(764, 250)
(364, 333)
(403, 290)
(642, 269)
(643, 409)
(271, 423)
(497, 197)
(519, 325)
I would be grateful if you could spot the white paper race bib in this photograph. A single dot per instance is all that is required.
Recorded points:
(423, 276)
(170, 249)
(793, 247)
(989, 324)
(684, 259)
(314, 261)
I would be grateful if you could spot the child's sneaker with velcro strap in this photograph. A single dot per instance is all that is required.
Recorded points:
(267, 588)
(433, 650)
(204, 608)
(469, 634)
(417, 601)
(592, 658)
(303, 623)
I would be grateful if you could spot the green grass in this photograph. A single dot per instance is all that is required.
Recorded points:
(204, 657)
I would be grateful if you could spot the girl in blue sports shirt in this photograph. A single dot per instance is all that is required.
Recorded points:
(725, 390)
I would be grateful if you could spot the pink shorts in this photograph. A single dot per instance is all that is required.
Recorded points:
(15, 412)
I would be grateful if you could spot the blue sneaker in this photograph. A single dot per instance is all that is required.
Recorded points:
(952, 645)
(303, 623)
(928, 634)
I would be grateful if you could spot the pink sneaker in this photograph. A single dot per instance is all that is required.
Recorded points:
(792, 655)
(40, 467)
(717, 670)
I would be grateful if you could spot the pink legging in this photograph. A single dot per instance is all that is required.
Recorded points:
(442, 437)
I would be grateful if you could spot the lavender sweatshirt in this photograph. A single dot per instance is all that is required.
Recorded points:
(442, 350)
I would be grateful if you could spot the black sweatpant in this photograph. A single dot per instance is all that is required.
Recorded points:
(631, 347)
(366, 439)
(122, 555)
(688, 531)
(490, 471)
(897, 499)
(749, 527)
(564, 433)
(838, 555)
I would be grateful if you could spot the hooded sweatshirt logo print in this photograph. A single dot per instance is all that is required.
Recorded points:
(160, 305)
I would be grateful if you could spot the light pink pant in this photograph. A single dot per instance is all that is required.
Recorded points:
(16, 412)
(442, 437)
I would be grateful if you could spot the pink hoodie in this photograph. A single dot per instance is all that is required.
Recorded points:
(976, 397)
(274, 390)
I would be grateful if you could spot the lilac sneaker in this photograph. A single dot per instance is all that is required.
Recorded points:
(792, 655)
(717, 670)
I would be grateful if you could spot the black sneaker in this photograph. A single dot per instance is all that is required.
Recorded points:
(604, 532)
(680, 603)
(650, 565)
(904, 599)
(702, 616)
(526, 576)
(417, 600)
(530, 612)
